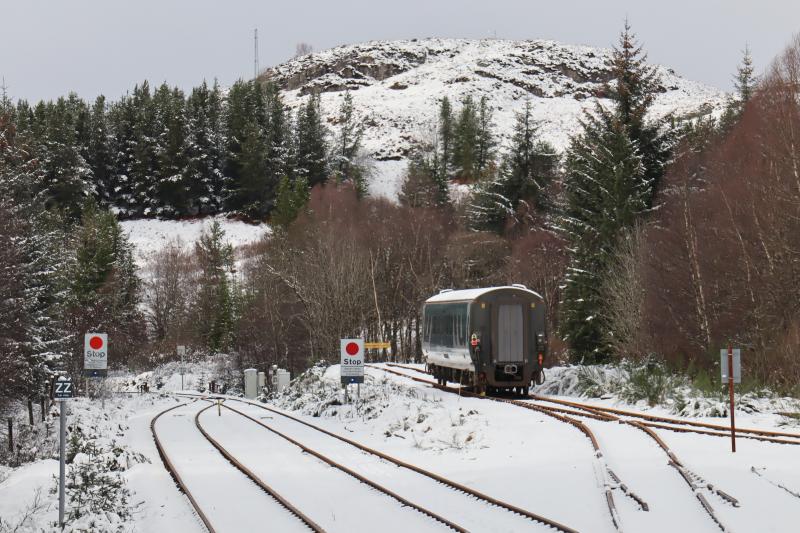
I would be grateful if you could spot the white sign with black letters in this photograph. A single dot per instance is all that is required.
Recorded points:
(95, 352)
(352, 360)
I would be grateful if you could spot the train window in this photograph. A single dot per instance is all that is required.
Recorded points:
(446, 325)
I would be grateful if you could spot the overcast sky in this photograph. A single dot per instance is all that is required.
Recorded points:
(51, 47)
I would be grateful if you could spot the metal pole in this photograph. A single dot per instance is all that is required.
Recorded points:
(730, 391)
(62, 445)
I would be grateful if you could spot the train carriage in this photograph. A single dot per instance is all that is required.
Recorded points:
(493, 338)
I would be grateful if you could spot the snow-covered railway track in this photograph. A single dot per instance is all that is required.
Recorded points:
(445, 496)
(567, 415)
(652, 421)
(253, 445)
(608, 478)
(208, 481)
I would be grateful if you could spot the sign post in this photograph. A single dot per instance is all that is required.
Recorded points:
(731, 368)
(352, 363)
(62, 391)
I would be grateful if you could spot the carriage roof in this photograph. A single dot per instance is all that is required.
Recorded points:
(468, 295)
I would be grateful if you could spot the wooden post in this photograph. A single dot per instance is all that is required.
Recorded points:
(11, 435)
(42, 405)
(30, 412)
(730, 391)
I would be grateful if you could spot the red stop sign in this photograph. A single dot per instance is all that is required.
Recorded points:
(351, 348)
(96, 343)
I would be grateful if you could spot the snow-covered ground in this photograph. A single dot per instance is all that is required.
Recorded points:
(151, 235)
(522, 457)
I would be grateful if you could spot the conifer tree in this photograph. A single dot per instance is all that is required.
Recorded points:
(613, 170)
(632, 90)
(142, 184)
(100, 157)
(423, 185)
(348, 143)
(66, 177)
(215, 299)
(485, 142)
(204, 150)
(104, 287)
(310, 143)
(465, 141)
(170, 193)
(291, 198)
(527, 170)
(745, 80)
(446, 132)
(745, 83)
(31, 268)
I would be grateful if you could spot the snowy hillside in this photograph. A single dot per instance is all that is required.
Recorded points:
(396, 86)
(151, 235)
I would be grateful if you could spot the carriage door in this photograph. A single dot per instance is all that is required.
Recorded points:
(509, 333)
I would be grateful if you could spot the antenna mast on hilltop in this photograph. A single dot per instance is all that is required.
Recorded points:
(255, 53)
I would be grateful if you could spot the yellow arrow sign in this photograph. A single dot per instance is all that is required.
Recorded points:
(377, 345)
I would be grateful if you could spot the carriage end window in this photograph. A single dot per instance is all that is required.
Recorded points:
(446, 325)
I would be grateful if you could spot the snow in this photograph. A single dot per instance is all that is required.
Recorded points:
(397, 85)
(522, 457)
(470, 294)
(151, 235)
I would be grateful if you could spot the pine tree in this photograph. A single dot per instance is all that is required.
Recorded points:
(632, 89)
(446, 132)
(485, 142)
(606, 191)
(215, 298)
(170, 196)
(346, 148)
(204, 147)
(423, 185)
(527, 170)
(99, 154)
(122, 117)
(465, 141)
(104, 289)
(745, 81)
(612, 174)
(143, 185)
(29, 271)
(66, 177)
(291, 198)
(310, 143)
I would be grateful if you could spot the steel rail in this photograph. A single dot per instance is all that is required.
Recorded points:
(354, 474)
(253, 477)
(654, 420)
(174, 472)
(598, 454)
(604, 415)
(441, 479)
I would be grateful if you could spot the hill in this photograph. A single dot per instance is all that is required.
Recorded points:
(396, 86)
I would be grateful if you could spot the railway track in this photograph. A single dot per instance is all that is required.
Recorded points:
(440, 480)
(174, 471)
(654, 421)
(695, 482)
(202, 510)
(609, 478)
(327, 460)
